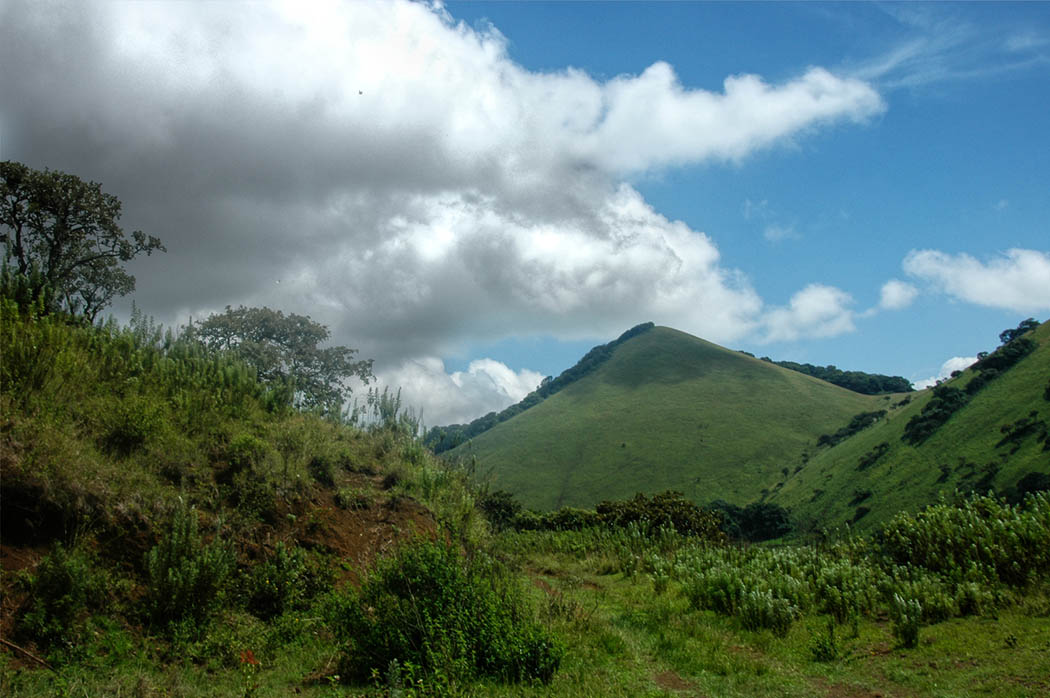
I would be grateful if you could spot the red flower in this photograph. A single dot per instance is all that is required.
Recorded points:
(248, 657)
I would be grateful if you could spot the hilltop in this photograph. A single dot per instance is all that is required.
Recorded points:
(665, 410)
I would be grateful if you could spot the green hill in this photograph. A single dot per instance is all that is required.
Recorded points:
(666, 410)
(998, 436)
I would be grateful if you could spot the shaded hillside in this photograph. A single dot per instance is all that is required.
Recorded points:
(666, 410)
(984, 429)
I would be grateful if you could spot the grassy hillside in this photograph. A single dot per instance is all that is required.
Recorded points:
(173, 527)
(973, 450)
(667, 410)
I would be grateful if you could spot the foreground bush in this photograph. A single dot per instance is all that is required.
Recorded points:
(430, 609)
(186, 577)
(982, 539)
(64, 586)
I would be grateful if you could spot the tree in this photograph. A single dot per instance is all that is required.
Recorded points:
(63, 233)
(284, 348)
(1007, 336)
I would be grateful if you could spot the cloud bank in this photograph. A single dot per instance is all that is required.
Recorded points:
(395, 175)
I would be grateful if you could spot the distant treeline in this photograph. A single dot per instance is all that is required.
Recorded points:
(716, 521)
(857, 381)
(441, 439)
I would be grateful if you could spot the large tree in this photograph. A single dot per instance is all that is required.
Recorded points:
(285, 348)
(62, 233)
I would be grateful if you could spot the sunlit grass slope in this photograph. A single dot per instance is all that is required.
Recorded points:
(966, 453)
(667, 410)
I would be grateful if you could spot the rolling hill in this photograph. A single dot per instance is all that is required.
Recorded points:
(665, 410)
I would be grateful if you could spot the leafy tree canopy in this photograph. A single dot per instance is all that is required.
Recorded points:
(285, 348)
(1007, 336)
(857, 381)
(62, 234)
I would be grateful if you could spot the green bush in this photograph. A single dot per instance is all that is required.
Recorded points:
(64, 585)
(762, 610)
(980, 539)
(499, 508)
(720, 589)
(824, 648)
(322, 469)
(428, 607)
(352, 498)
(858, 423)
(906, 615)
(665, 510)
(945, 401)
(132, 421)
(245, 452)
(278, 583)
(185, 576)
(845, 590)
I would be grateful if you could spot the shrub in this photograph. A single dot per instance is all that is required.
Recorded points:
(245, 452)
(845, 590)
(131, 422)
(665, 510)
(322, 469)
(763, 610)
(906, 615)
(980, 539)
(859, 422)
(499, 508)
(278, 583)
(871, 457)
(185, 576)
(720, 589)
(64, 585)
(945, 401)
(352, 498)
(824, 648)
(428, 607)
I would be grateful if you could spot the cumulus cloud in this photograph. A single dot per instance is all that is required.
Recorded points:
(956, 363)
(815, 311)
(448, 398)
(897, 295)
(393, 173)
(1018, 280)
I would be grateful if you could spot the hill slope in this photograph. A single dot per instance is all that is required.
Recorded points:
(666, 410)
(990, 442)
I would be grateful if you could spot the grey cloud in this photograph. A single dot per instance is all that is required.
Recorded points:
(386, 171)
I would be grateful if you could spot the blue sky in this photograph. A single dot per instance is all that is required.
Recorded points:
(958, 162)
(475, 194)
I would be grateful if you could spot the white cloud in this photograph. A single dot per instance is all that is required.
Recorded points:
(408, 183)
(815, 311)
(652, 120)
(441, 397)
(956, 363)
(897, 295)
(1018, 280)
